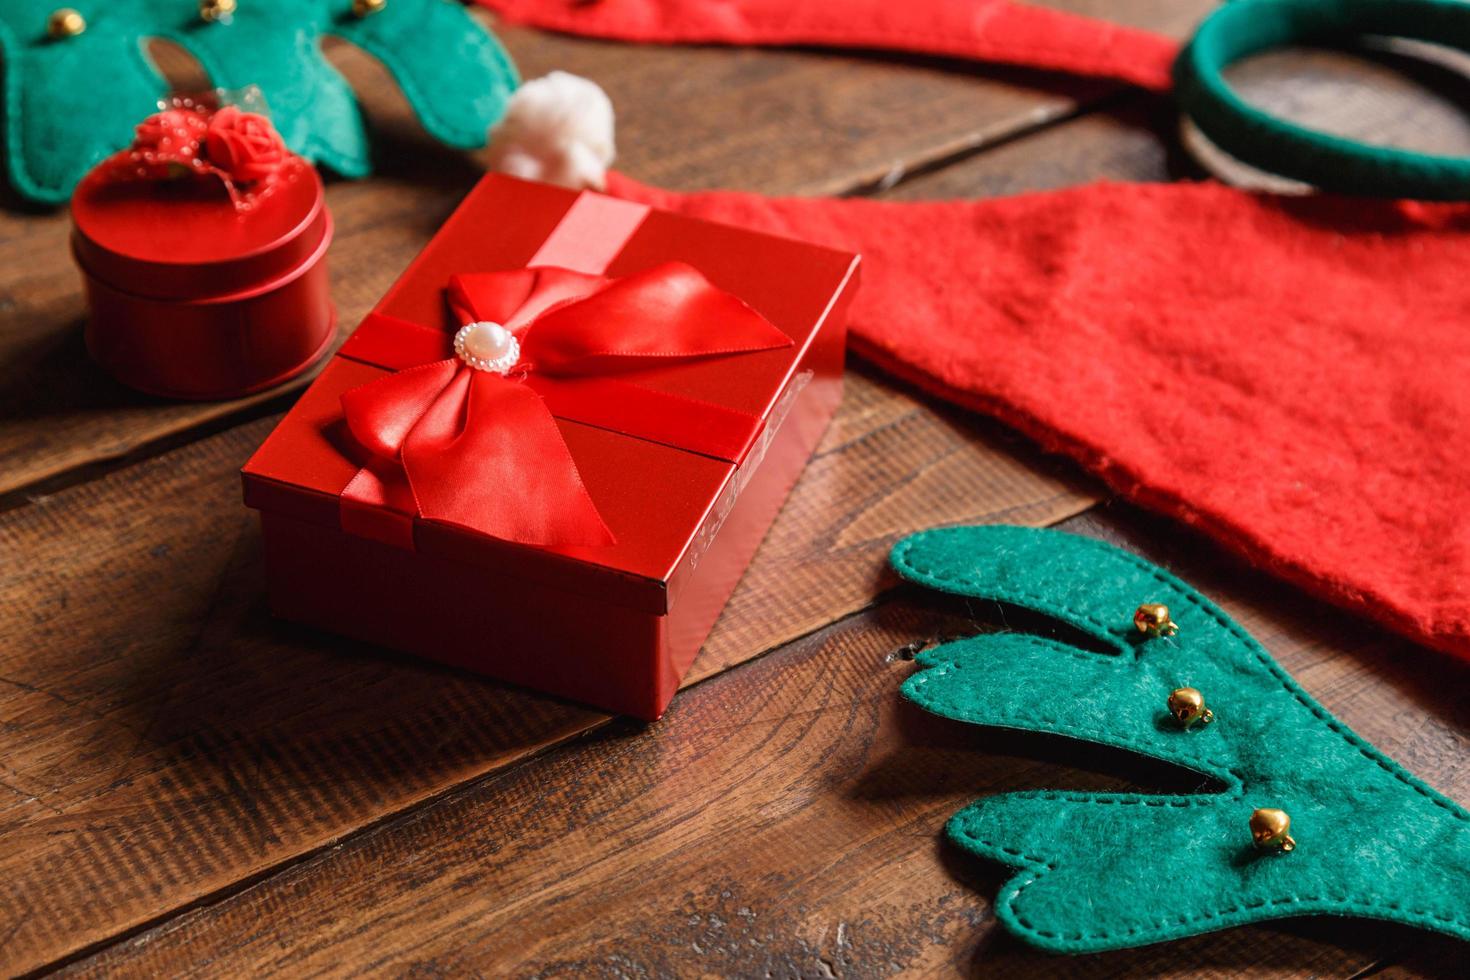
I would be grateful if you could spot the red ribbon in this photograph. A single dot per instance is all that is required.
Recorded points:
(482, 450)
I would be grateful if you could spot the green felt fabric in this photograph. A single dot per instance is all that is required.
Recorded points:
(70, 102)
(1103, 871)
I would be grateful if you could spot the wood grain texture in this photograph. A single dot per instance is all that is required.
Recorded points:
(815, 122)
(256, 796)
(823, 122)
(784, 819)
(1394, 97)
(62, 419)
(1128, 139)
(1386, 97)
(161, 738)
(890, 454)
(1395, 93)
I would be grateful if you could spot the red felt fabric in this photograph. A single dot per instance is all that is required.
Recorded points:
(997, 31)
(1290, 375)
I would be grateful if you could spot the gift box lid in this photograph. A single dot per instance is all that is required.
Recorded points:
(662, 503)
(186, 240)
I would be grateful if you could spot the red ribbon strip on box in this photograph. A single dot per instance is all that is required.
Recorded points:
(482, 450)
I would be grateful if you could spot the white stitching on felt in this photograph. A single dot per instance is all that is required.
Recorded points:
(1039, 867)
(1208, 608)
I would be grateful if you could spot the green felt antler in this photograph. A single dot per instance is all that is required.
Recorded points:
(1105, 870)
(70, 101)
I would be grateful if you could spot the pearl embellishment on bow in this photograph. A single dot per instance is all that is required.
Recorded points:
(487, 346)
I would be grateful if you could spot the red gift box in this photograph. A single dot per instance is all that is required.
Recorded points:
(684, 460)
(190, 297)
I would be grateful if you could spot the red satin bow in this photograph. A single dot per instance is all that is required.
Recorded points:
(483, 450)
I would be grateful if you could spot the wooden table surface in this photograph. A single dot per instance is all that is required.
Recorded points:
(189, 786)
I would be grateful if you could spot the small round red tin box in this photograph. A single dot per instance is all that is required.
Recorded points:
(192, 297)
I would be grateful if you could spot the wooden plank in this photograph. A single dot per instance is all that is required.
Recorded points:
(1127, 144)
(1388, 99)
(784, 819)
(213, 754)
(1132, 139)
(1430, 962)
(1400, 94)
(161, 738)
(887, 458)
(816, 122)
(823, 122)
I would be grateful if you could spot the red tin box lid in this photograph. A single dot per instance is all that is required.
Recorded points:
(654, 498)
(185, 240)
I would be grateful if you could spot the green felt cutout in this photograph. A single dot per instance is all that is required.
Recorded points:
(1104, 871)
(71, 102)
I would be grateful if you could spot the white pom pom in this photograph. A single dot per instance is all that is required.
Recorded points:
(557, 129)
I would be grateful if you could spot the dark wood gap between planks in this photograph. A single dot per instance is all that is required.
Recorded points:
(386, 819)
(926, 451)
(278, 400)
(1395, 88)
(389, 818)
(1024, 162)
(1283, 619)
(276, 403)
(449, 793)
(919, 162)
(900, 177)
(594, 729)
(1110, 521)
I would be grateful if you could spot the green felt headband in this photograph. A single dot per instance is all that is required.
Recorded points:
(1246, 27)
(1102, 871)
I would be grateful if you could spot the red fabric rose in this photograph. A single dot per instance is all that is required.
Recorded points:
(243, 145)
(172, 135)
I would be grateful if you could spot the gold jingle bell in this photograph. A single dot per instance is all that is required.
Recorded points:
(364, 8)
(1152, 619)
(1187, 705)
(1270, 830)
(217, 11)
(65, 22)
